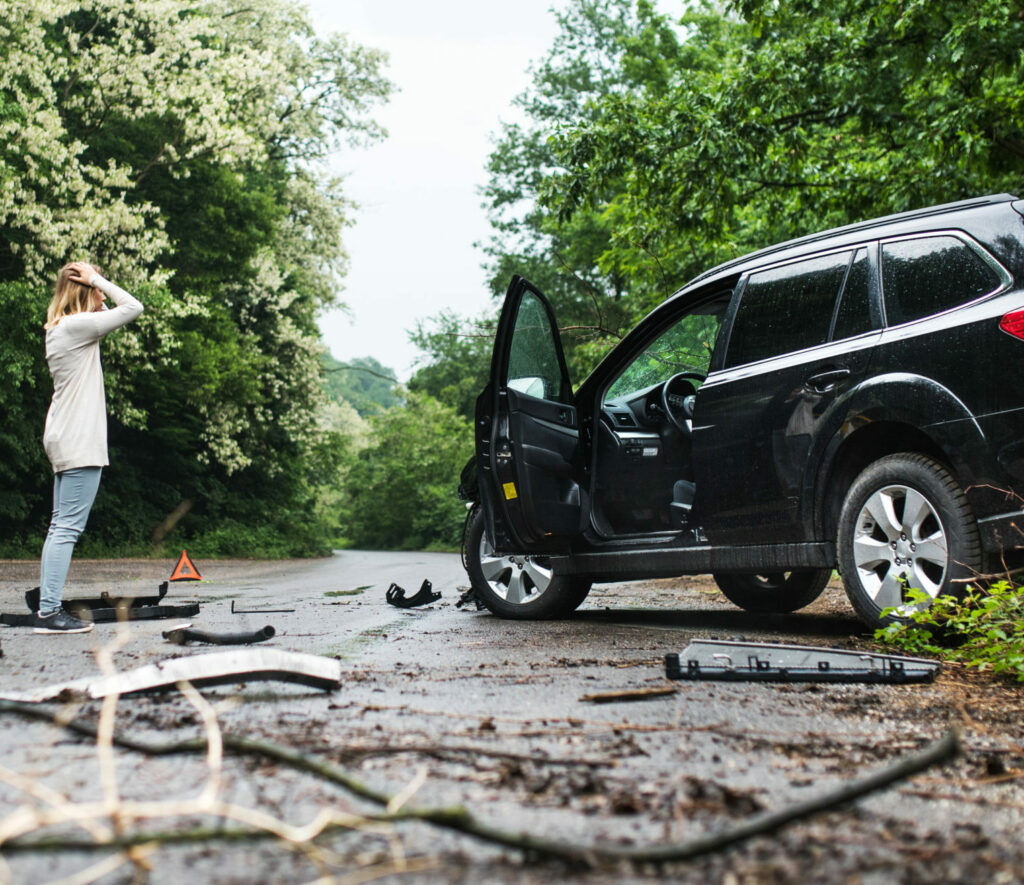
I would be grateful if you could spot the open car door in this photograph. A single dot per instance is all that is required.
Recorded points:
(527, 431)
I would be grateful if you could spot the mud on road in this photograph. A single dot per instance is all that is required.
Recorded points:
(487, 714)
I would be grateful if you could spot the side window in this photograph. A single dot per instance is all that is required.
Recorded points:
(931, 274)
(533, 366)
(785, 309)
(853, 315)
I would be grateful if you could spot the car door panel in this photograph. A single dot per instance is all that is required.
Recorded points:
(527, 438)
(755, 422)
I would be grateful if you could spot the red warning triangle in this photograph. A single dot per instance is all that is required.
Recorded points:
(185, 570)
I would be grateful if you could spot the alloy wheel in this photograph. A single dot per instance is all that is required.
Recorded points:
(899, 543)
(516, 579)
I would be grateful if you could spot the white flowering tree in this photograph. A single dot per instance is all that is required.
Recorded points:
(177, 143)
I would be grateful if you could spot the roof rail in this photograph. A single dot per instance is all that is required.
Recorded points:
(991, 199)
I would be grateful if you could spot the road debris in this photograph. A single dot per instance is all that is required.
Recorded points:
(217, 668)
(633, 694)
(396, 596)
(106, 608)
(187, 633)
(770, 662)
(469, 598)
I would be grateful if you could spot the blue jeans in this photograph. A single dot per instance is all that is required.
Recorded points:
(73, 493)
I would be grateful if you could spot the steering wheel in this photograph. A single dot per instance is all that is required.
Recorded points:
(677, 398)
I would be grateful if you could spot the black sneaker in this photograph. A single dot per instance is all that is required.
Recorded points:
(61, 622)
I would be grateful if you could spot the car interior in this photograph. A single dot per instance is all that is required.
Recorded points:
(643, 467)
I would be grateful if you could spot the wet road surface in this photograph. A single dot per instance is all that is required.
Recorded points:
(488, 714)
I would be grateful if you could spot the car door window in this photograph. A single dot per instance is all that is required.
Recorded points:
(927, 275)
(853, 313)
(786, 308)
(686, 346)
(533, 365)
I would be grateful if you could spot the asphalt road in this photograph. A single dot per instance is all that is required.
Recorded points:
(468, 710)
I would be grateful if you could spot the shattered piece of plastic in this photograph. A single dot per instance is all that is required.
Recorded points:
(396, 596)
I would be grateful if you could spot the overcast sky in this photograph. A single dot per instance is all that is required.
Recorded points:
(457, 65)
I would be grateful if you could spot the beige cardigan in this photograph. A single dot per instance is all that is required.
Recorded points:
(76, 424)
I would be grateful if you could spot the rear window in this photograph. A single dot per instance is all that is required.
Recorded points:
(931, 274)
(786, 308)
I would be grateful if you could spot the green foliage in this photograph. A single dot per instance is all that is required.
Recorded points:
(365, 384)
(25, 390)
(399, 492)
(801, 117)
(985, 629)
(655, 148)
(457, 357)
(605, 47)
(179, 147)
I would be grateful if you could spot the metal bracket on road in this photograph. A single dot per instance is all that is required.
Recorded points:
(769, 662)
(259, 611)
(425, 595)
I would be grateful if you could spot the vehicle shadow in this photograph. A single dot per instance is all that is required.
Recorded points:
(729, 622)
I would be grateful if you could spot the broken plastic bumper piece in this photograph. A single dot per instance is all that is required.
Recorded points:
(105, 608)
(729, 661)
(214, 668)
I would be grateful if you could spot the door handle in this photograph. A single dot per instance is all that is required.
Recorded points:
(826, 381)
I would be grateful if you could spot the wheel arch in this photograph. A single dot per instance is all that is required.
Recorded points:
(890, 413)
(861, 448)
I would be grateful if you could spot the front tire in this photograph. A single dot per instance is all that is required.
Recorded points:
(521, 586)
(905, 524)
(776, 592)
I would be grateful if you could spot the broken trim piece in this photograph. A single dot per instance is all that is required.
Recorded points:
(726, 661)
(103, 601)
(106, 608)
(425, 595)
(216, 668)
(110, 615)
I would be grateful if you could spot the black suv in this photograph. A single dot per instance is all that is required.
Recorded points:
(845, 400)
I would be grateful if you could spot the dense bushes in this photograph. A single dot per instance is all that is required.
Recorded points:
(985, 629)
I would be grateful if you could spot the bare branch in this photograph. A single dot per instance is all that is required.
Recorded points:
(461, 820)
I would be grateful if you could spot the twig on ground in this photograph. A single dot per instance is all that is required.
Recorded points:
(461, 820)
(634, 694)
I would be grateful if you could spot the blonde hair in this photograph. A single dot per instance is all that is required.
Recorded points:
(68, 297)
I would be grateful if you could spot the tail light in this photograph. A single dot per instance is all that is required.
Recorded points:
(1013, 323)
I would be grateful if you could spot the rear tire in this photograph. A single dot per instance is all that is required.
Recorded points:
(776, 592)
(521, 586)
(905, 524)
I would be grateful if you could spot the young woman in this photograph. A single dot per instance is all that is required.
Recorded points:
(75, 437)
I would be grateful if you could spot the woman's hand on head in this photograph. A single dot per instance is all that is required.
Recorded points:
(81, 272)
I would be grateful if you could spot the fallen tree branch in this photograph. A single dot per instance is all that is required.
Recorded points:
(461, 820)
